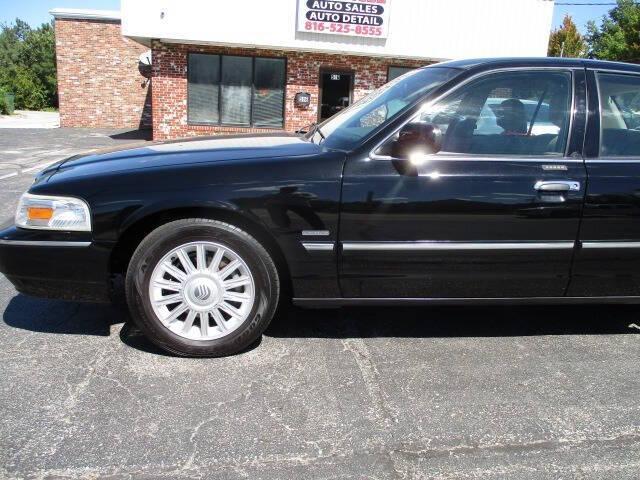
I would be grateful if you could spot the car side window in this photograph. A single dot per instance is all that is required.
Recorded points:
(507, 113)
(619, 115)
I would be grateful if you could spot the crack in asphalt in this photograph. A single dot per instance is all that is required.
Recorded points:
(379, 409)
(239, 464)
(621, 440)
(60, 413)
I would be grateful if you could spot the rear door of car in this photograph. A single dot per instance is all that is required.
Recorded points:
(607, 262)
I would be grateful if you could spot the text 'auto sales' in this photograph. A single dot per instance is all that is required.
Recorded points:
(340, 17)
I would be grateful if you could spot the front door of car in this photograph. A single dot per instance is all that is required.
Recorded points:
(608, 260)
(494, 213)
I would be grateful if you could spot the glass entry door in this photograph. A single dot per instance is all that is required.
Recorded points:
(335, 92)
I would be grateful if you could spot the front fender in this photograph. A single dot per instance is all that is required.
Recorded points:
(285, 196)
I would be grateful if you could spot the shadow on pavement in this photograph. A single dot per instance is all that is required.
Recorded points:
(456, 321)
(66, 318)
(142, 134)
(134, 338)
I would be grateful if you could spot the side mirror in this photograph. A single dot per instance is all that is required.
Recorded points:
(417, 139)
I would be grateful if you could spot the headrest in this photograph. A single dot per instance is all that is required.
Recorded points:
(512, 116)
(558, 109)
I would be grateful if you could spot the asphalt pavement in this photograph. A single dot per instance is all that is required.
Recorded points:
(433, 393)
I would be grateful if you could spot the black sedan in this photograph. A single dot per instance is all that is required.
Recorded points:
(504, 180)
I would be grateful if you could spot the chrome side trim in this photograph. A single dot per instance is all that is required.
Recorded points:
(608, 244)
(41, 243)
(315, 233)
(612, 70)
(426, 245)
(612, 160)
(318, 247)
(351, 301)
(458, 157)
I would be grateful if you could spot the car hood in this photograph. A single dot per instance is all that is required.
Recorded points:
(190, 151)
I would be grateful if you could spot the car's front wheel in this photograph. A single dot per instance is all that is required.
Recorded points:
(200, 287)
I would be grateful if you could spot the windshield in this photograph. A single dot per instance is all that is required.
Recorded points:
(345, 130)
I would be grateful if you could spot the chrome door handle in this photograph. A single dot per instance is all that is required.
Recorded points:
(557, 186)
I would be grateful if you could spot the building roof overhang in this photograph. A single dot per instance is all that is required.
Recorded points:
(86, 14)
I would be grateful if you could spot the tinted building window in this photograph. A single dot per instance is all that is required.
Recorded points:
(268, 95)
(395, 72)
(236, 90)
(620, 115)
(204, 77)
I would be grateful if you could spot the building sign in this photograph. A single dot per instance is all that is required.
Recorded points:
(356, 18)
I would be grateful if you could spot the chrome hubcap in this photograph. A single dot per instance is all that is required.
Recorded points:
(202, 290)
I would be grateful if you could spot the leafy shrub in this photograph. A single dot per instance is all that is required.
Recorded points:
(4, 108)
(30, 93)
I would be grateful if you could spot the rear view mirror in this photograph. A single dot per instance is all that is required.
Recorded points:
(417, 139)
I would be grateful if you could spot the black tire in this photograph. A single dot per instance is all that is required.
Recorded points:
(171, 235)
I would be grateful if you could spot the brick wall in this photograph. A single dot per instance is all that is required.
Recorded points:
(303, 73)
(99, 84)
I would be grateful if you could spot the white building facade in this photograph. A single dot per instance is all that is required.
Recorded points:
(251, 65)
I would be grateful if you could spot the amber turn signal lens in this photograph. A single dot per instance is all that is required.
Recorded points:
(39, 213)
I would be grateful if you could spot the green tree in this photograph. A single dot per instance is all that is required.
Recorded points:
(38, 57)
(27, 64)
(618, 36)
(566, 41)
(10, 38)
(30, 93)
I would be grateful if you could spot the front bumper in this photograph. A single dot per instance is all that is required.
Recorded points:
(55, 264)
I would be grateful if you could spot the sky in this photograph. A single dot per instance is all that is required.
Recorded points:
(581, 14)
(35, 12)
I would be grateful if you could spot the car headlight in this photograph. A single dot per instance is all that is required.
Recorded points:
(44, 212)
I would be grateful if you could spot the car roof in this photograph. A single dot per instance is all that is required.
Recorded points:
(492, 63)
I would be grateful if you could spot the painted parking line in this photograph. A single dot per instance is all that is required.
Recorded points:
(39, 166)
(8, 175)
(34, 168)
